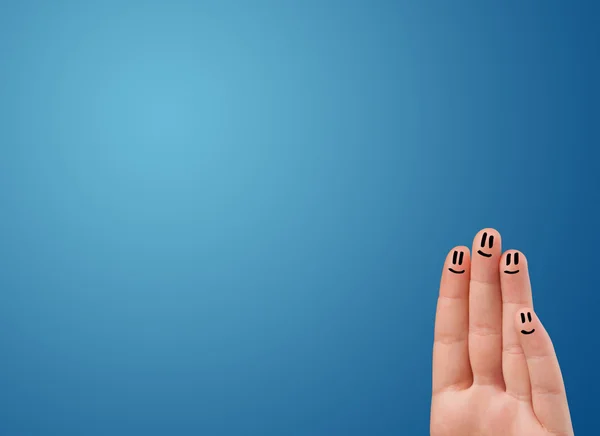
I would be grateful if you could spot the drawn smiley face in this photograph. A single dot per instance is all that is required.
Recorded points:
(490, 242)
(457, 262)
(523, 321)
(516, 262)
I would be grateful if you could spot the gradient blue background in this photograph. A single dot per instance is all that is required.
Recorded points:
(229, 217)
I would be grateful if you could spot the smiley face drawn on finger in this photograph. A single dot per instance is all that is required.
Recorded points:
(526, 332)
(490, 241)
(454, 261)
(516, 262)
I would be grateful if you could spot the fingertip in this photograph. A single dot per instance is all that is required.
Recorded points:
(458, 261)
(524, 314)
(512, 262)
(487, 249)
(487, 240)
(459, 249)
(527, 322)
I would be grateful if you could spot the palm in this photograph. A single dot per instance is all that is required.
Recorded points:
(488, 377)
(483, 411)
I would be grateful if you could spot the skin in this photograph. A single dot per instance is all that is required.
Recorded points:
(489, 378)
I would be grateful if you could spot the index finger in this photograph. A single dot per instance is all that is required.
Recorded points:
(451, 366)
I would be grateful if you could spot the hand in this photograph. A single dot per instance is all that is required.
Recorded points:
(495, 371)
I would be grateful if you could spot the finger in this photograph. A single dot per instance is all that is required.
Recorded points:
(485, 309)
(547, 387)
(516, 293)
(451, 368)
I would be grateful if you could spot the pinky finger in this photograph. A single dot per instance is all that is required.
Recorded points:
(547, 387)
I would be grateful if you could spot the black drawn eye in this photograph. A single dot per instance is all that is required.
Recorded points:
(528, 317)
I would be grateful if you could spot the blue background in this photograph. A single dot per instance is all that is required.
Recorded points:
(229, 218)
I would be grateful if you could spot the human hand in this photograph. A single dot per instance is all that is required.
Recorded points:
(495, 371)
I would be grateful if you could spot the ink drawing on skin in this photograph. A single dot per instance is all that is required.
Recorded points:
(490, 242)
(460, 261)
(526, 332)
(516, 262)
